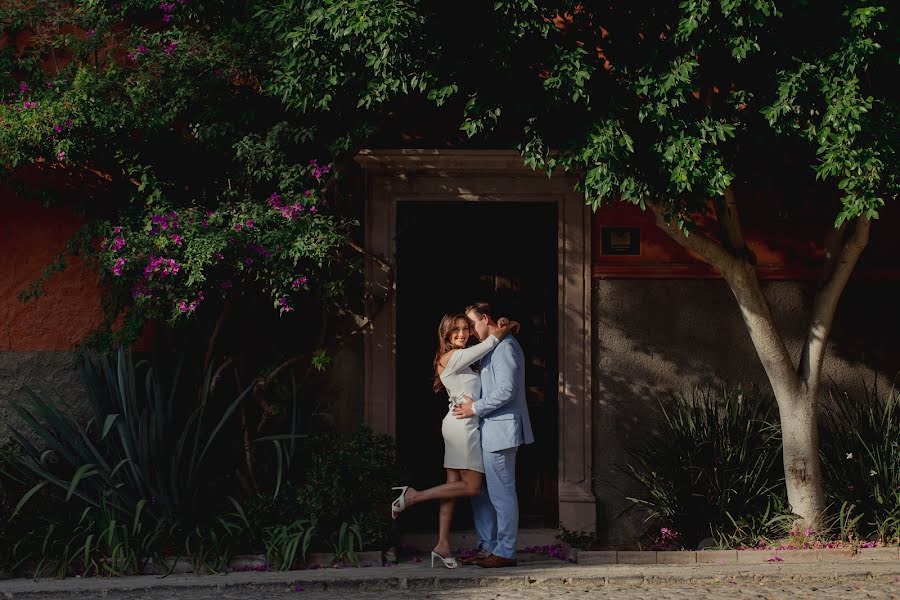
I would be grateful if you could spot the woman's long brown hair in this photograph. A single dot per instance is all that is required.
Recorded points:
(445, 329)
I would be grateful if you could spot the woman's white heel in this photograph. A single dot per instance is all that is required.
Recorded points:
(450, 563)
(398, 505)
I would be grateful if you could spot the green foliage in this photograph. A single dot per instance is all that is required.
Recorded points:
(286, 545)
(755, 529)
(333, 501)
(579, 539)
(861, 458)
(716, 458)
(140, 453)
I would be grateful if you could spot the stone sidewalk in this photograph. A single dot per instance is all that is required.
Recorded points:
(409, 577)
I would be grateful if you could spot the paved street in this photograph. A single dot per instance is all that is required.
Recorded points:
(740, 591)
(538, 581)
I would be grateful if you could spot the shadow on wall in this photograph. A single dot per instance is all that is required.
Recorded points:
(653, 337)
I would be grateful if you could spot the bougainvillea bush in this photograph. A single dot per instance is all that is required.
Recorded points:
(206, 184)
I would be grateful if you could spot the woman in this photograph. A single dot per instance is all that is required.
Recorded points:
(453, 366)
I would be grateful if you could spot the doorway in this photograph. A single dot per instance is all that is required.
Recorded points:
(442, 267)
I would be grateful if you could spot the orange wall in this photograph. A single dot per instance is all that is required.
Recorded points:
(784, 250)
(30, 238)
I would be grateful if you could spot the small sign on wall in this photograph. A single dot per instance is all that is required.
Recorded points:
(620, 241)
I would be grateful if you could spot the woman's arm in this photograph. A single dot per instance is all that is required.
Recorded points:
(464, 357)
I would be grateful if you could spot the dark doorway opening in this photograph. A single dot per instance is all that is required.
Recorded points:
(442, 266)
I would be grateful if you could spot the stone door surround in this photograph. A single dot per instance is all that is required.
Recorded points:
(393, 176)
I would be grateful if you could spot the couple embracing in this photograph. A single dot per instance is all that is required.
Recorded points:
(484, 427)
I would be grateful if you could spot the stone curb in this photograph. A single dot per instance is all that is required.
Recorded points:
(730, 557)
(406, 577)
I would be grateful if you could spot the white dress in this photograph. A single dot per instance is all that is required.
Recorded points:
(462, 439)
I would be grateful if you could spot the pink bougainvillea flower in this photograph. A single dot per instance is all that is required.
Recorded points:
(118, 266)
(177, 239)
(142, 49)
(57, 128)
(23, 87)
(60, 155)
(283, 304)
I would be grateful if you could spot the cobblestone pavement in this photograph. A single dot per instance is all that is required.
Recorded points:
(736, 591)
(548, 581)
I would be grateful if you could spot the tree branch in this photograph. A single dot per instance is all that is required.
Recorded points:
(730, 222)
(215, 334)
(825, 305)
(741, 277)
(707, 248)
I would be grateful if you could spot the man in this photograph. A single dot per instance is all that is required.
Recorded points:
(504, 427)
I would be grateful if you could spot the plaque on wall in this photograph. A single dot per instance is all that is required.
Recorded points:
(620, 241)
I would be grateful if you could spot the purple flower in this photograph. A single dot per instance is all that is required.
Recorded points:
(90, 32)
(218, 256)
(284, 306)
(248, 261)
(166, 18)
(28, 104)
(142, 49)
(176, 238)
(118, 266)
(204, 223)
(312, 209)
(23, 87)
(170, 48)
(57, 128)
(49, 85)
(117, 244)
(302, 280)
(117, 7)
(68, 122)
(141, 291)
(117, 229)
(132, 57)
(249, 224)
(164, 267)
(60, 155)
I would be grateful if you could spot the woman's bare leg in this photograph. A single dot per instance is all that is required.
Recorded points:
(445, 517)
(468, 485)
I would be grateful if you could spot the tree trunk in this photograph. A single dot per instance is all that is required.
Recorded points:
(797, 401)
(802, 463)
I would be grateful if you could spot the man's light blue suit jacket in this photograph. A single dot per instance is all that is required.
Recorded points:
(501, 408)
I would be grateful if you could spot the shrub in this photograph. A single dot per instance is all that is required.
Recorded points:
(861, 458)
(715, 458)
(339, 498)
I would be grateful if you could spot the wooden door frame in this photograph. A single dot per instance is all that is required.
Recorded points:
(393, 176)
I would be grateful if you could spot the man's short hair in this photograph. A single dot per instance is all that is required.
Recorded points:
(482, 309)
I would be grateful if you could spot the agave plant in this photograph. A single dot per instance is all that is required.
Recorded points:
(137, 442)
(861, 456)
(716, 453)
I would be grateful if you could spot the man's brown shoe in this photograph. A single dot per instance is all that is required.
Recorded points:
(492, 561)
(474, 559)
